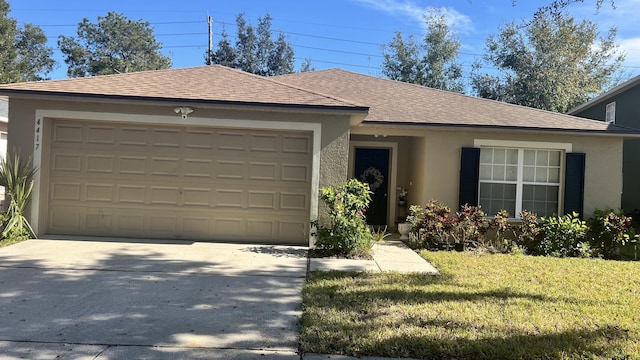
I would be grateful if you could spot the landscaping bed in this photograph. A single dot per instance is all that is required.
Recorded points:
(490, 306)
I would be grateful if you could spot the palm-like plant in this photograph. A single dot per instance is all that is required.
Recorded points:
(16, 175)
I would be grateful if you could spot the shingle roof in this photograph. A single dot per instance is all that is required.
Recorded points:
(205, 83)
(393, 102)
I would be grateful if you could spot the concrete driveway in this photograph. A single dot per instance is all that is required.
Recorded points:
(121, 299)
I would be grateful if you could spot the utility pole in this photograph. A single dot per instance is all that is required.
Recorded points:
(209, 57)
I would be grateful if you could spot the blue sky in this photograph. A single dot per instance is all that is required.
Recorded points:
(333, 33)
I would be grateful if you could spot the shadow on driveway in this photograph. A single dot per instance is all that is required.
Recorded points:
(154, 295)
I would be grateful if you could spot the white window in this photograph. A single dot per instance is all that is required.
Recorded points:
(516, 179)
(610, 115)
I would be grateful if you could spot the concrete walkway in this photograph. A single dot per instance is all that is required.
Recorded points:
(389, 255)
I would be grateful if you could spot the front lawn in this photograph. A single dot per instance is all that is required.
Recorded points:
(491, 306)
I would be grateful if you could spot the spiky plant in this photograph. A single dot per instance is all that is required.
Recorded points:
(16, 175)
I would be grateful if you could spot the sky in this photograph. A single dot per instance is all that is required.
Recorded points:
(346, 34)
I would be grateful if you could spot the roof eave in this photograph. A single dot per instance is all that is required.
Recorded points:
(607, 95)
(350, 109)
(586, 132)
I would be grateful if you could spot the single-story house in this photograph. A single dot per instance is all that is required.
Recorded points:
(620, 106)
(214, 153)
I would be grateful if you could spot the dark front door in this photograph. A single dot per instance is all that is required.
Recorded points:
(372, 166)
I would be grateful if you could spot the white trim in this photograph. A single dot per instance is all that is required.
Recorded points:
(393, 146)
(4, 119)
(610, 113)
(44, 114)
(568, 147)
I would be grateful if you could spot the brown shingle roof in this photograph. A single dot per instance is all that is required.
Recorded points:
(402, 103)
(205, 83)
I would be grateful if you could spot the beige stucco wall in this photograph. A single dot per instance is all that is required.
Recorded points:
(433, 161)
(603, 170)
(334, 135)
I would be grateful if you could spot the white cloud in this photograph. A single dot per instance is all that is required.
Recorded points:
(631, 47)
(408, 9)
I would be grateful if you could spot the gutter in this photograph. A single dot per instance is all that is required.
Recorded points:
(632, 134)
(347, 109)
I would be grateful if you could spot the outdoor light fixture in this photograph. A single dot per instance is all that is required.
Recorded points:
(183, 111)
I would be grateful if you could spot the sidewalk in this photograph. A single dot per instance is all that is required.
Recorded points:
(388, 255)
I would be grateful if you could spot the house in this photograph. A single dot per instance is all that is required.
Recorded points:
(620, 106)
(214, 153)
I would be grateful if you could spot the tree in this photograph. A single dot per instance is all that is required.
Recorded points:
(432, 63)
(553, 63)
(307, 65)
(24, 55)
(113, 45)
(225, 53)
(255, 50)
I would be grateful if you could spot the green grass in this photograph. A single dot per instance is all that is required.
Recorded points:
(7, 242)
(480, 307)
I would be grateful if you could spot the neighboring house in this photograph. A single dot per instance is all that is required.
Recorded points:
(214, 153)
(620, 106)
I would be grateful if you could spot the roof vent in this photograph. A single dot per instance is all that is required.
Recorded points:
(610, 116)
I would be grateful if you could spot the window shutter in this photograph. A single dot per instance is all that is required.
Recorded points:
(469, 176)
(574, 183)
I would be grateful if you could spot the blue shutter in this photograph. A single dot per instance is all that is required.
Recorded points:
(574, 183)
(469, 176)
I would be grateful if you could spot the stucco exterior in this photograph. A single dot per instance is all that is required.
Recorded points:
(433, 160)
(334, 130)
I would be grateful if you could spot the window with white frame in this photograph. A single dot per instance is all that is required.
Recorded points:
(516, 179)
(610, 113)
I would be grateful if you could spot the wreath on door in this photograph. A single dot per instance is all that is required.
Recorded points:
(373, 177)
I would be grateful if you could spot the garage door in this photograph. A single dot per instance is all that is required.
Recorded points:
(171, 182)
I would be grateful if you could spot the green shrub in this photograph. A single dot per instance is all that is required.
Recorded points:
(562, 236)
(435, 227)
(469, 226)
(609, 231)
(16, 176)
(347, 232)
(431, 225)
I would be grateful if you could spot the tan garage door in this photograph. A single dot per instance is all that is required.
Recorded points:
(170, 182)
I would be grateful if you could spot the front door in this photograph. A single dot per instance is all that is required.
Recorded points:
(372, 166)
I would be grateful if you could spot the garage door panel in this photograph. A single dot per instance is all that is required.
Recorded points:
(130, 223)
(263, 143)
(101, 135)
(197, 197)
(131, 194)
(132, 165)
(66, 217)
(157, 181)
(198, 168)
(295, 173)
(230, 198)
(66, 191)
(165, 166)
(68, 133)
(164, 195)
(262, 200)
(230, 141)
(67, 162)
(296, 144)
(263, 171)
(100, 192)
(163, 224)
(103, 164)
